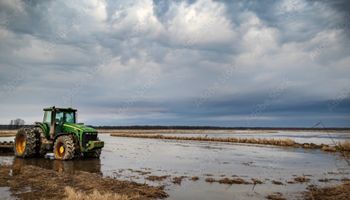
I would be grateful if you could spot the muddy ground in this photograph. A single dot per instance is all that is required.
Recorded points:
(31, 182)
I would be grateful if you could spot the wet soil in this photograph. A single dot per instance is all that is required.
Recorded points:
(32, 182)
(337, 192)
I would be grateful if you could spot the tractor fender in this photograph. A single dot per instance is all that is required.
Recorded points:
(60, 134)
(74, 136)
(43, 128)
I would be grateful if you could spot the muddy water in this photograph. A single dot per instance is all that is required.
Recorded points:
(317, 137)
(135, 159)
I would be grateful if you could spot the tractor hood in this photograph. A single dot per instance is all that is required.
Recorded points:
(79, 127)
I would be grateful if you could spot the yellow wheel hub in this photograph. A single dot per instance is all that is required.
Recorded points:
(20, 145)
(61, 149)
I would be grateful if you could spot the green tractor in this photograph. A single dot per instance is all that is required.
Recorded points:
(58, 133)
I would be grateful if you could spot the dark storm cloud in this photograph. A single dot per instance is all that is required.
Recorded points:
(228, 63)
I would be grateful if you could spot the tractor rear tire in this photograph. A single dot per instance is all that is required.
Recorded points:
(64, 148)
(96, 153)
(26, 143)
(41, 142)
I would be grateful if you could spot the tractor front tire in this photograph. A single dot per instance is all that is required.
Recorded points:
(93, 154)
(64, 148)
(26, 143)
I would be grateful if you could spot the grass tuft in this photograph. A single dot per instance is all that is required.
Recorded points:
(96, 195)
(345, 145)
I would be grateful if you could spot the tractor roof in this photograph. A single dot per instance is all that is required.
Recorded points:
(59, 109)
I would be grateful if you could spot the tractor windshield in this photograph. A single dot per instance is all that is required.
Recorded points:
(65, 117)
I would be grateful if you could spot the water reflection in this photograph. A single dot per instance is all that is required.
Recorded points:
(91, 165)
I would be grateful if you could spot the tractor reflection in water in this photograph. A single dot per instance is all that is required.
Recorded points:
(87, 165)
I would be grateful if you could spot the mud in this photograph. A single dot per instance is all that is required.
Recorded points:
(338, 192)
(275, 196)
(32, 182)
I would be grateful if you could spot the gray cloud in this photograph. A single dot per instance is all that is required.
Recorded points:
(228, 63)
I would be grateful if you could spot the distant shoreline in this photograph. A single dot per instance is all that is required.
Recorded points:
(138, 127)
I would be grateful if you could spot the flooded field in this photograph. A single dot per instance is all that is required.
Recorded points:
(176, 163)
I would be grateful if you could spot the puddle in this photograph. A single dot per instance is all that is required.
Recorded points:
(5, 193)
(135, 159)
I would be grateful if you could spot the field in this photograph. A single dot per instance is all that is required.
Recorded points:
(197, 164)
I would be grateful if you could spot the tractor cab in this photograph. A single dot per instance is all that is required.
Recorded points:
(54, 118)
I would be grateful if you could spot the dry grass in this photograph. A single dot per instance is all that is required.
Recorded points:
(156, 178)
(278, 142)
(7, 133)
(73, 194)
(344, 146)
(338, 192)
(228, 181)
(178, 179)
(210, 180)
(301, 179)
(329, 148)
(233, 181)
(256, 181)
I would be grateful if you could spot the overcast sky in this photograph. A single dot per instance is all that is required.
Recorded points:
(143, 62)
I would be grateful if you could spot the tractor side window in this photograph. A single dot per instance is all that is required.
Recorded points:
(47, 117)
(70, 117)
(59, 117)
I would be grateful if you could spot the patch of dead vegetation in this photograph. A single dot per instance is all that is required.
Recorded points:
(231, 181)
(7, 133)
(49, 184)
(73, 194)
(344, 146)
(178, 179)
(338, 192)
(157, 178)
(325, 180)
(256, 181)
(301, 179)
(210, 180)
(277, 182)
(228, 181)
(275, 196)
